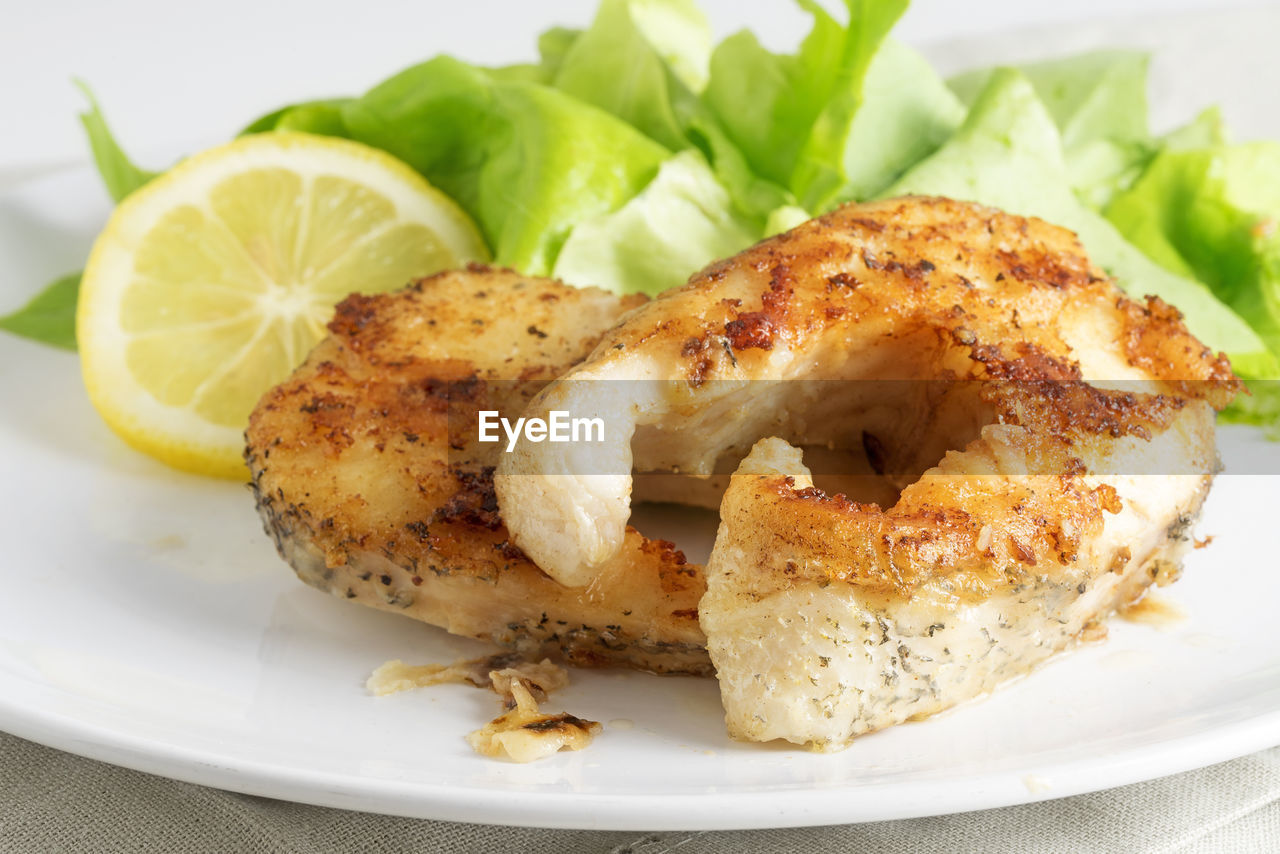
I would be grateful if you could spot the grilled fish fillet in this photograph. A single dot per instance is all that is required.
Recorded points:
(879, 326)
(1053, 441)
(827, 619)
(370, 479)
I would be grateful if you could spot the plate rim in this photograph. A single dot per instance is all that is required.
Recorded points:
(684, 811)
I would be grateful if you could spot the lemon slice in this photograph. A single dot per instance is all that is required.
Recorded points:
(209, 285)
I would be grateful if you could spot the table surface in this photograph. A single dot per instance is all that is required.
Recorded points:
(56, 802)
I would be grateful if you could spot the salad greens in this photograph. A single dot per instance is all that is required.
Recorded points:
(684, 210)
(118, 172)
(634, 151)
(475, 137)
(1098, 102)
(320, 117)
(790, 115)
(1212, 212)
(645, 76)
(50, 316)
(907, 112)
(1008, 154)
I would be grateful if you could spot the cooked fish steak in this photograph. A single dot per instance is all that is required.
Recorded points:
(859, 327)
(370, 479)
(874, 298)
(1052, 439)
(816, 642)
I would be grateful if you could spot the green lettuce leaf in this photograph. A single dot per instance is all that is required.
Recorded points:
(553, 47)
(629, 70)
(644, 61)
(785, 218)
(320, 117)
(1102, 168)
(907, 112)
(1204, 131)
(1260, 406)
(685, 211)
(50, 316)
(490, 136)
(1008, 154)
(118, 172)
(753, 196)
(790, 114)
(1098, 100)
(527, 162)
(1090, 96)
(679, 31)
(1214, 213)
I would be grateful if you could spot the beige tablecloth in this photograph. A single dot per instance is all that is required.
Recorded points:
(55, 802)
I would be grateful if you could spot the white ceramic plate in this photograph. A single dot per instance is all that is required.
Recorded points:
(146, 620)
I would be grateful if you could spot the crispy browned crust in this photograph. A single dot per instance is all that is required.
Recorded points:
(369, 493)
(946, 532)
(941, 530)
(991, 282)
(1005, 312)
(1041, 401)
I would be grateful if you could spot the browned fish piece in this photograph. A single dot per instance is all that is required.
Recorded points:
(370, 479)
(1052, 440)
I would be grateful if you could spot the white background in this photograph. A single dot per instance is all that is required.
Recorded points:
(174, 75)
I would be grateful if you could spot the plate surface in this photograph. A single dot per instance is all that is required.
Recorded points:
(145, 620)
